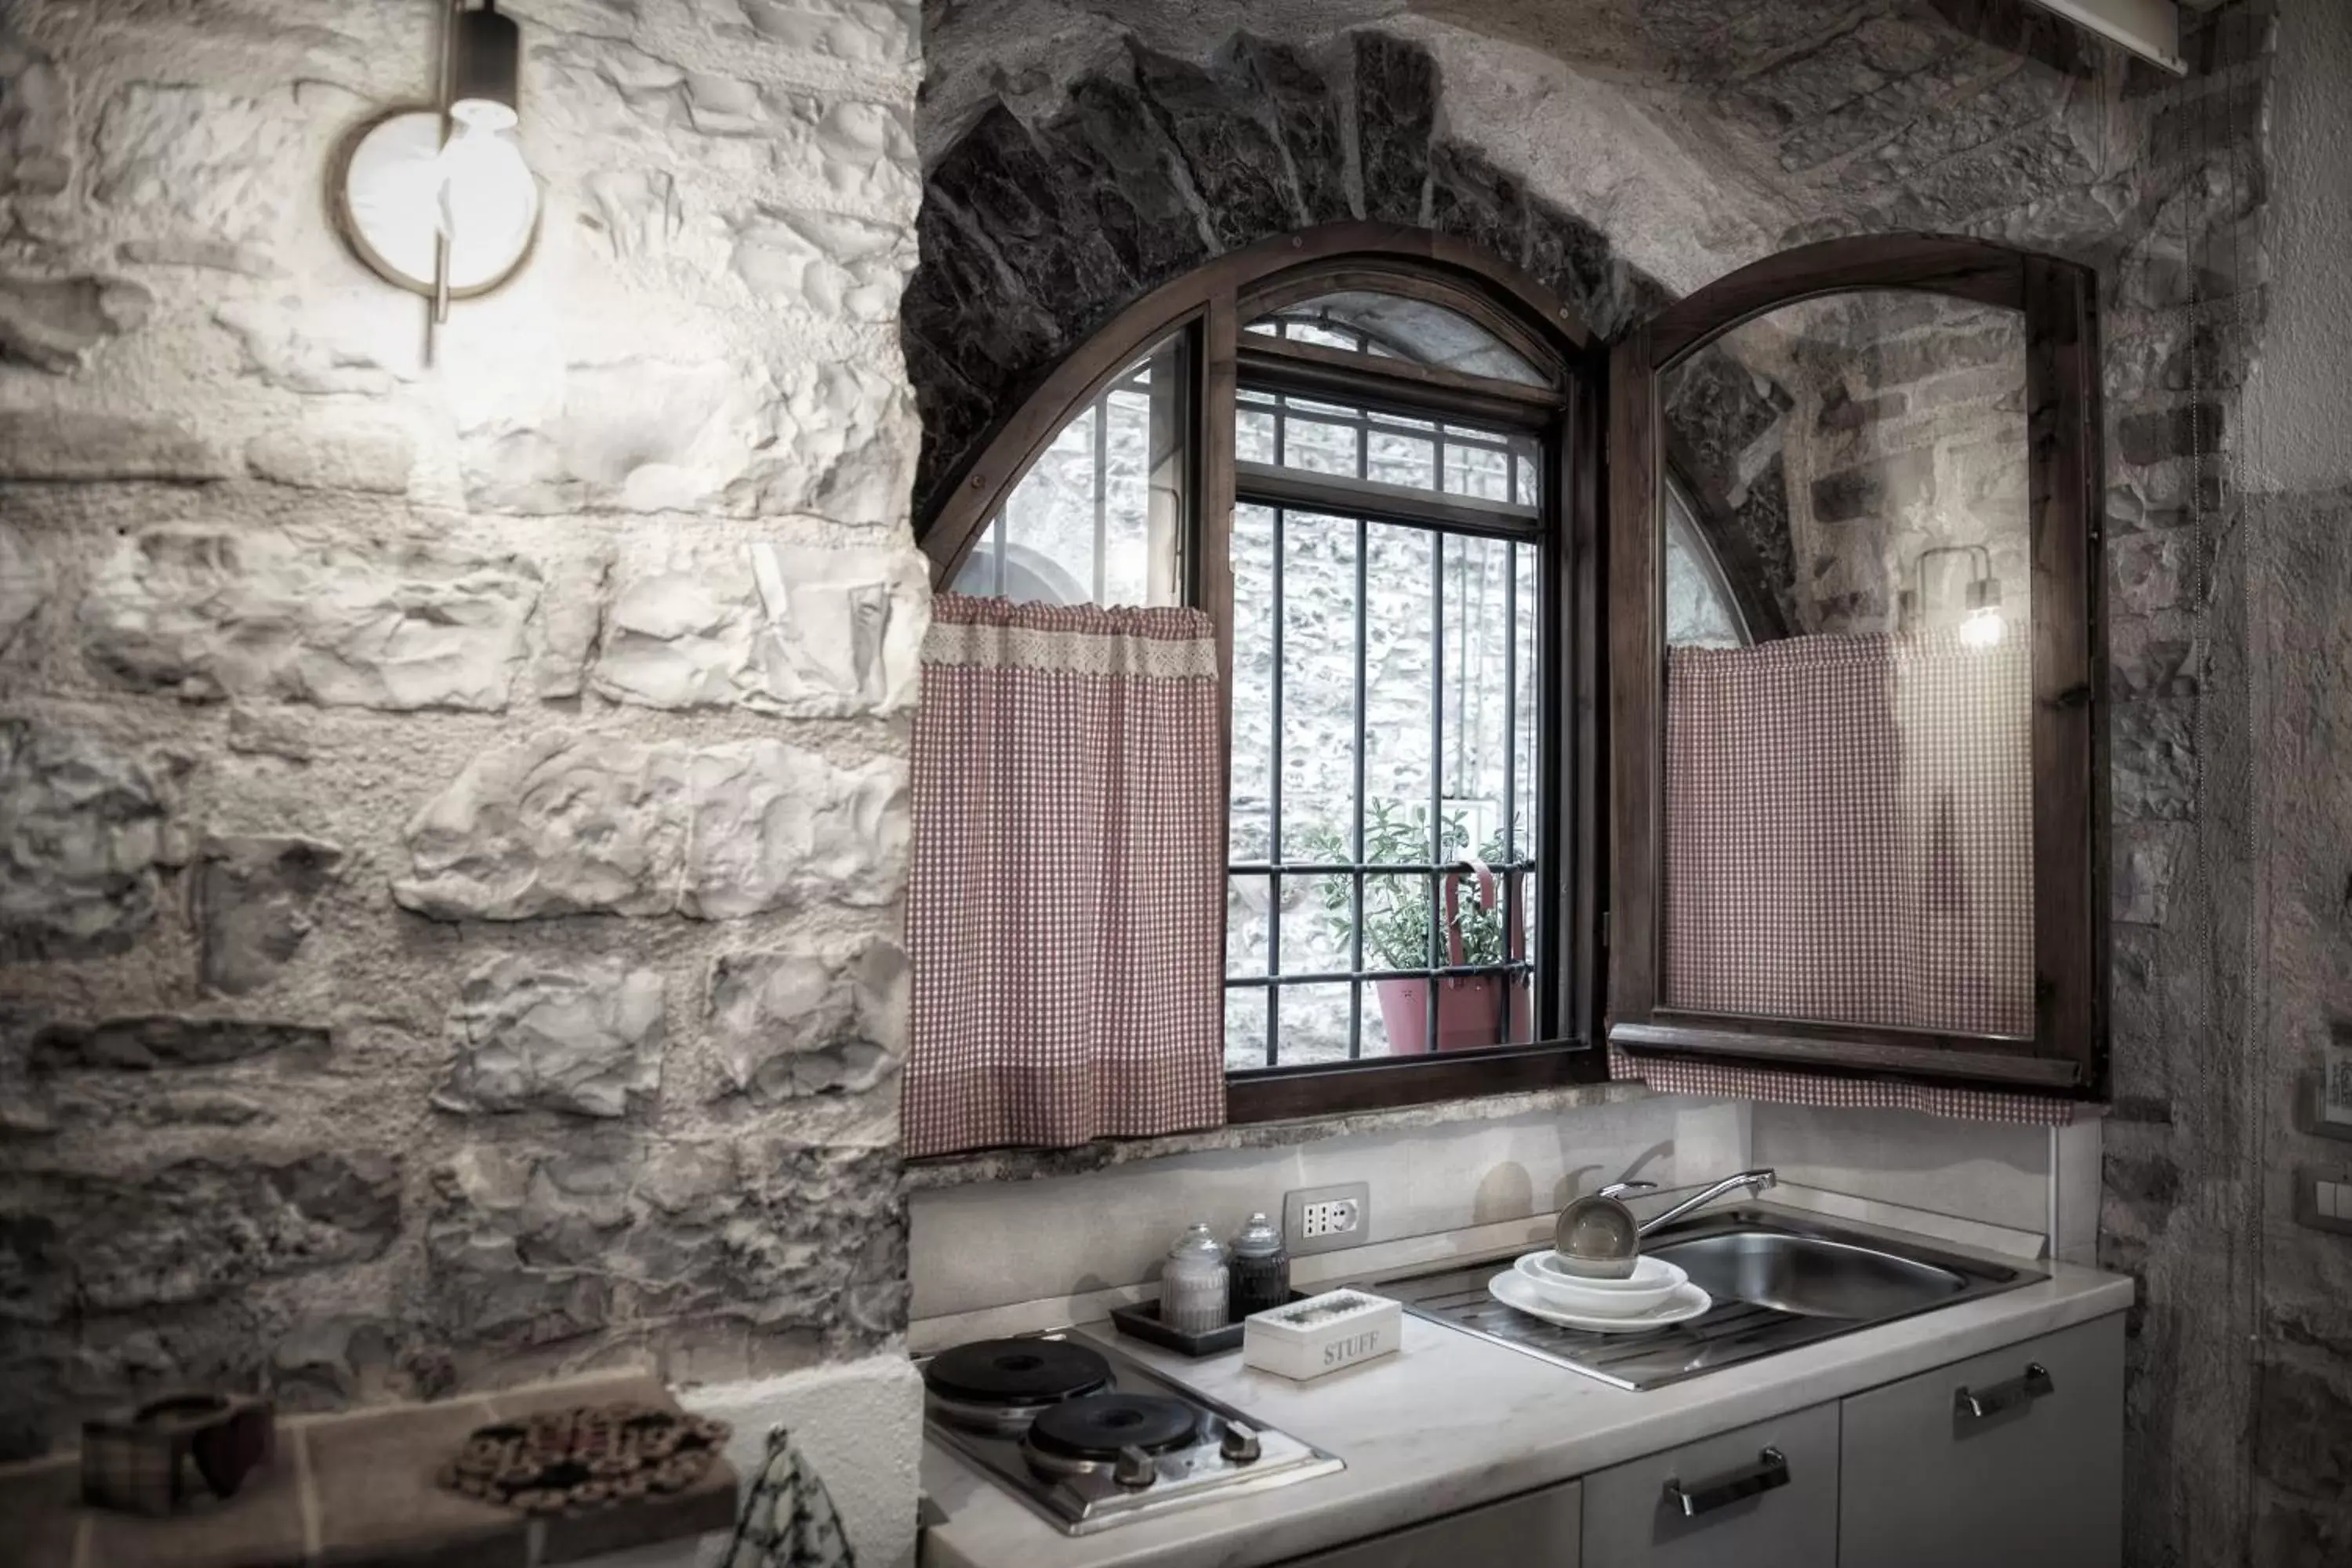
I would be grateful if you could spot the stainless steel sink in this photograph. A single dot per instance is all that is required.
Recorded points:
(1812, 1276)
(1778, 1282)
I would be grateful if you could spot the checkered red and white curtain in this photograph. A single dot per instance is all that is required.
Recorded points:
(1849, 832)
(1066, 911)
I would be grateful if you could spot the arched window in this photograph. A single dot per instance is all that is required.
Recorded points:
(1368, 454)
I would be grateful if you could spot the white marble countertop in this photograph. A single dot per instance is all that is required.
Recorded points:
(1451, 1421)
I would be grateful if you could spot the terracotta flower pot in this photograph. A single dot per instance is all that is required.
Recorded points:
(1469, 1007)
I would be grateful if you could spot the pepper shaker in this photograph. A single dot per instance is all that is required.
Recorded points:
(1192, 1287)
(1261, 1267)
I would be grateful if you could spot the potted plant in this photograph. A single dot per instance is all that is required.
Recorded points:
(1478, 925)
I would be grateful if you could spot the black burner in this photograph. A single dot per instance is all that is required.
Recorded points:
(1099, 1426)
(1015, 1372)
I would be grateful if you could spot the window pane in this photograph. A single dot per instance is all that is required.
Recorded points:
(1448, 747)
(1249, 824)
(1245, 1028)
(1392, 326)
(1335, 441)
(1248, 924)
(1099, 516)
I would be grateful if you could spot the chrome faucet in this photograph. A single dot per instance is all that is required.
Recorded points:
(1754, 1180)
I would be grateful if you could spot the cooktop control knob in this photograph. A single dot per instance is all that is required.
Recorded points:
(1239, 1444)
(1134, 1468)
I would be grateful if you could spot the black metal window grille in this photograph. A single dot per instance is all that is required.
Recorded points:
(1518, 528)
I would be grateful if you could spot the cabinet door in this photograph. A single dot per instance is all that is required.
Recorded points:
(2015, 1457)
(1762, 1496)
(1537, 1529)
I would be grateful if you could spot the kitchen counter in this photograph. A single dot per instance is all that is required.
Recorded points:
(1451, 1422)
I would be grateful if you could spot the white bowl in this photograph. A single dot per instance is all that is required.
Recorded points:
(1653, 1280)
(1518, 1292)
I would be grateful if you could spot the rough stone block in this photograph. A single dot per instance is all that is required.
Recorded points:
(1111, 147)
(1236, 163)
(193, 163)
(775, 827)
(188, 1231)
(376, 462)
(82, 843)
(170, 1040)
(2153, 769)
(1396, 113)
(668, 436)
(875, 33)
(1474, 200)
(586, 1038)
(254, 896)
(2147, 572)
(1304, 117)
(2147, 860)
(57, 323)
(786, 1025)
(828, 265)
(596, 824)
(37, 141)
(805, 631)
(527, 1246)
(1008, 194)
(307, 615)
(320, 344)
(65, 446)
(23, 583)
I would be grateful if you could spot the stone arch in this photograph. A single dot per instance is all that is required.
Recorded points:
(1034, 235)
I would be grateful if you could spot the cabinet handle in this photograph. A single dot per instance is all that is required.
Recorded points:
(1770, 1469)
(2007, 1396)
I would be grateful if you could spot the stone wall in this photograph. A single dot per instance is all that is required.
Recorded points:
(452, 816)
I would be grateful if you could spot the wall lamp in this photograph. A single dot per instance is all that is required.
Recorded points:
(439, 201)
(1981, 625)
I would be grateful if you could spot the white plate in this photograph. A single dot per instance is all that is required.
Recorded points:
(1517, 1291)
(1653, 1280)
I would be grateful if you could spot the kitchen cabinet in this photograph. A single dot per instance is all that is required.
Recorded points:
(2014, 1458)
(1761, 1497)
(1536, 1529)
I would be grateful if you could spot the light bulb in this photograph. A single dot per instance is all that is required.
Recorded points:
(1983, 628)
(488, 204)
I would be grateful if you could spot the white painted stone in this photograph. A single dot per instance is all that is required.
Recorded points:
(868, 152)
(583, 1037)
(630, 436)
(305, 616)
(554, 825)
(23, 583)
(346, 343)
(58, 445)
(559, 825)
(776, 827)
(799, 630)
(55, 324)
(314, 458)
(193, 163)
(786, 1025)
(638, 211)
(563, 633)
(855, 32)
(834, 266)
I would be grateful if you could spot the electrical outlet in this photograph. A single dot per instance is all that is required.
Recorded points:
(1325, 1219)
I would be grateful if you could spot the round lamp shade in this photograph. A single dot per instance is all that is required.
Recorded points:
(403, 187)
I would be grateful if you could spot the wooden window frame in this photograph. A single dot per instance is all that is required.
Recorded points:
(1210, 306)
(2058, 302)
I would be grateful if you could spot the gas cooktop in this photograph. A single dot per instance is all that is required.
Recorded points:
(1090, 1438)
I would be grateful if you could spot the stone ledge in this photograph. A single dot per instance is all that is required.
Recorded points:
(357, 1490)
(1030, 1164)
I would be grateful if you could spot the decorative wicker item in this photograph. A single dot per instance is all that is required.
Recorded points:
(160, 1458)
(589, 1457)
